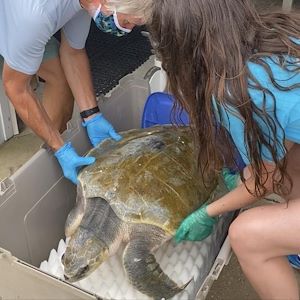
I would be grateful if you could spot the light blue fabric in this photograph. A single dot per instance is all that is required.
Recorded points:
(27, 25)
(287, 108)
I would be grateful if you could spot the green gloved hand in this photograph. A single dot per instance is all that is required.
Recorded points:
(196, 227)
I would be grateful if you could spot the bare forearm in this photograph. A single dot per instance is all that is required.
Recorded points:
(77, 70)
(236, 199)
(18, 89)
(240, 197)
(34, 116)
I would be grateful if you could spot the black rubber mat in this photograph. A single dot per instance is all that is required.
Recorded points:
(112, 58)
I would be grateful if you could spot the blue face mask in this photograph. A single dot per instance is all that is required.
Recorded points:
(109, 24)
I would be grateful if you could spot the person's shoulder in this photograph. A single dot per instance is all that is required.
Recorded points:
(34, 18)
(283, 70)
(30, 9)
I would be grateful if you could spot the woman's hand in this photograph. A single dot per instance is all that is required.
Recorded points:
(196, 227)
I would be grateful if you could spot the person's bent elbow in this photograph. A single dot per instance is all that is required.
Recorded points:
(66, 48)
(8, 86)
(15, 83)
(14, 91)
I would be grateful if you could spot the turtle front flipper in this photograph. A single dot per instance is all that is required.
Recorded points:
(142, 269)
(76, 214)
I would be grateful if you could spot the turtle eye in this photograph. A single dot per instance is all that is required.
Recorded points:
(84, 270)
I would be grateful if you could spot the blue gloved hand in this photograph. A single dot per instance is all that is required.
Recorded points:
(98, 129)
(70, 161)
(196, 227)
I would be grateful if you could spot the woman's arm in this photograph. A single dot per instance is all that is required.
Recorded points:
(199, 224)
(236, 199)
(240, 196)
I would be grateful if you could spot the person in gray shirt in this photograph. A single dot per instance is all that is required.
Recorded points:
(26, 30)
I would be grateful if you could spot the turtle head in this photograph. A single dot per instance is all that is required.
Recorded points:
(84, 254)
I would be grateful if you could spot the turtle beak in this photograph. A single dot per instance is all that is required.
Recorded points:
(81, 259)
(82, 273)
(66, 278)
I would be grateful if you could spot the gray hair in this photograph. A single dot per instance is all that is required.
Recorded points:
(139, 8)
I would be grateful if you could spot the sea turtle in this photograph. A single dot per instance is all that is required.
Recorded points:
(137, 192)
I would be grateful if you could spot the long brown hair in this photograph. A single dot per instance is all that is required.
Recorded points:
(204, 46)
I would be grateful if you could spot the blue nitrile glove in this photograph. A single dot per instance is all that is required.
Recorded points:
(98, 129)
(196, 227)
(70, 161)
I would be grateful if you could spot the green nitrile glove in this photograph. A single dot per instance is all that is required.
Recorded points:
(196, 227)
(231, 178)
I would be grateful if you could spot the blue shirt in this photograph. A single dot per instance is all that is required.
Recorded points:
(27, 25)
(287, 109)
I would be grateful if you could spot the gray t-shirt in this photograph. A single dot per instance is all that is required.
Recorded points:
(27, 25)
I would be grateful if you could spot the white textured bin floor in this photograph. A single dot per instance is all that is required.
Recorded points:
(182, 262)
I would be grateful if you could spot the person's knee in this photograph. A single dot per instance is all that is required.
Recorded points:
(235, 233)
(51, 71)
(244, 234)
(56, 78)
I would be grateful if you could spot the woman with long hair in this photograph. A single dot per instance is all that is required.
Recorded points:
(237, 71)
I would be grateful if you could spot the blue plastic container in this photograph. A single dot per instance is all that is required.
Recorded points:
(158, 111)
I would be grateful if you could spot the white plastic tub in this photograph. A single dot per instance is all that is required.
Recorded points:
(35, 201)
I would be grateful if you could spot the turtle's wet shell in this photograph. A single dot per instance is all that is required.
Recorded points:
(148, 177)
